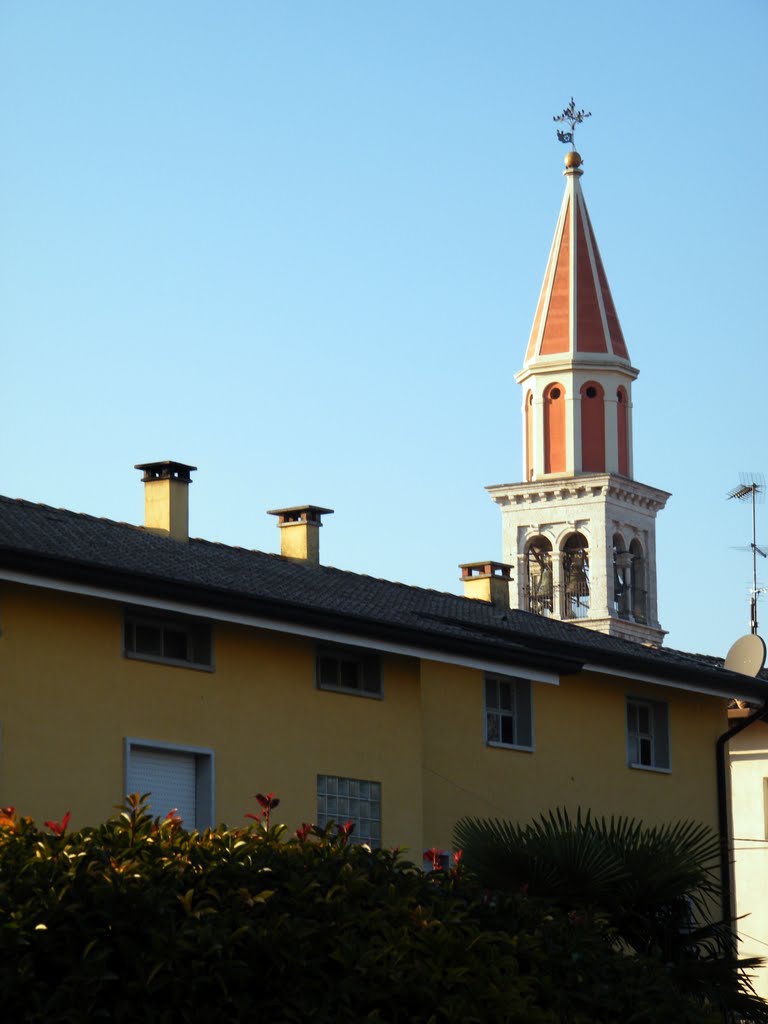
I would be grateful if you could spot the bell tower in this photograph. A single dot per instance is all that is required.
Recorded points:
(580, 529)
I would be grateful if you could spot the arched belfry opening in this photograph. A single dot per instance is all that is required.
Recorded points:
(639, 583)
(539, 580)
(622, 578)
(554, 429)
(592, 428)
(575, 559)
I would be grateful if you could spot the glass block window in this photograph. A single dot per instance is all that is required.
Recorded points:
(508, 712)
(358, 800)
(647, 733)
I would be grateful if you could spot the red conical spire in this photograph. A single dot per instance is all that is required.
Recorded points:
(577, 376)
(575, 313)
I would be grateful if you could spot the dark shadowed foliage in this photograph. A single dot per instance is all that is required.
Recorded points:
(656, 887)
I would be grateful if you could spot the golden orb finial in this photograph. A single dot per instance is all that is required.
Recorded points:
(573, 159)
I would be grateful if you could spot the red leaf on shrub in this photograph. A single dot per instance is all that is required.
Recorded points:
(256, 817)
(345, 831)
(59, 827)
(268, 802)
(433, 855)
(303, 832)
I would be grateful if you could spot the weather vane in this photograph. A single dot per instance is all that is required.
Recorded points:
(572, 117)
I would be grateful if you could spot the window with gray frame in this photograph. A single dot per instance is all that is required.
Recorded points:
(359, 800)
(508, 712)
(647, 733)
(176, 778)
(176, 640)
(349, 670)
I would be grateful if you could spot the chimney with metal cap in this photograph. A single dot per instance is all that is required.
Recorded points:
(300, 531)
(487, 581)
(166, 498)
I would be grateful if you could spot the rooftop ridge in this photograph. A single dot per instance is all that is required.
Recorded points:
(332, 568)
(276, 556)
(70, 512)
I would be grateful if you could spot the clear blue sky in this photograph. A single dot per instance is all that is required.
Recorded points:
(299, 245)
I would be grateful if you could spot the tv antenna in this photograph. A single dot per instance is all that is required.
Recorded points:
(752, 487)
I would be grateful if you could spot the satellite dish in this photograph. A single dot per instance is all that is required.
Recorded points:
(747, 655)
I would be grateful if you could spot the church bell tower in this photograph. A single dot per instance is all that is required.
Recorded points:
(580, 529)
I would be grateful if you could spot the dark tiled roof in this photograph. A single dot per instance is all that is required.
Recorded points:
(45, 541)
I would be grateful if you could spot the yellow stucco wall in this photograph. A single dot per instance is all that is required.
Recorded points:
(579, 756)
(68, 699)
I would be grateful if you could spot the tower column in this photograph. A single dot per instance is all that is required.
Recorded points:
(611, 434)
(573, 430)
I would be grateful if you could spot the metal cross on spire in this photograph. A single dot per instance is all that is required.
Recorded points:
(570, 116)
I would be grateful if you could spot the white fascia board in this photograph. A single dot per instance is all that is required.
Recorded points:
(279, 626)
(671, 684)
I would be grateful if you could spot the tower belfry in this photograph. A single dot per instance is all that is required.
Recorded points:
(580, 529)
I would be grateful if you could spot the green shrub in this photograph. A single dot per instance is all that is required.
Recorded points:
(139, 920)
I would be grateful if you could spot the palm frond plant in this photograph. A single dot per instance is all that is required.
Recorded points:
(657, 887)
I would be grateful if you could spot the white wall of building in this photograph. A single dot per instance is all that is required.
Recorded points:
(749, 803)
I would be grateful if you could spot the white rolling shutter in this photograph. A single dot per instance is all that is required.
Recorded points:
(171, 778)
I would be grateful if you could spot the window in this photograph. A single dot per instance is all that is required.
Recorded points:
(539, 582)
(648, 734)
(554, 430)
(575, 603)
(349, 670)
(176, 777)
(356, 800)
(639, 589)
(592, 428)
(178, 641)
(508, 712)
(622, 577)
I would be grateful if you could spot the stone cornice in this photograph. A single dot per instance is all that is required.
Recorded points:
(587, 361)
(584, 488)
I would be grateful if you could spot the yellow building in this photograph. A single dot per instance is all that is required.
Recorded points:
(133, 658)
(136, 658)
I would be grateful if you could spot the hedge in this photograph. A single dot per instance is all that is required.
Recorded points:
(139, 920)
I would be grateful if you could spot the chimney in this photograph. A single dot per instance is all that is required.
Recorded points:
(487, 581)
(300, 531)
(166, 498)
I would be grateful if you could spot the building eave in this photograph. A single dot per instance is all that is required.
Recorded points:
(286, 616)
(498, 648)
